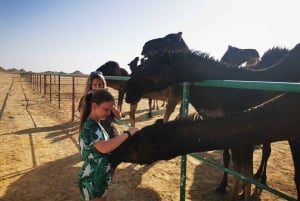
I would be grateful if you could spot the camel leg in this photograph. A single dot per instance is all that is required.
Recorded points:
(150, 107)
(155, 104)
(133, 108)
(226, 159)
(247, 170)
(261, 173)
(295, 149)
(120, 100)
(170, 109)
(236, 159)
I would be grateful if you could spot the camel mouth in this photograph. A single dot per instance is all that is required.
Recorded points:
(133, 98)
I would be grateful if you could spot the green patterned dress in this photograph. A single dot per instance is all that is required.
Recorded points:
(95, 174)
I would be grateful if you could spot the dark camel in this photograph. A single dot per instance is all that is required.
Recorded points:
(257, 126)
(112, 68)
(171, 42)
(251, 56)
(237, 56)
(214, 102)
(172, 95)
(271, 57)
(163, 70)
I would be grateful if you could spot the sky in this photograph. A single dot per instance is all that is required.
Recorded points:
(70, 35)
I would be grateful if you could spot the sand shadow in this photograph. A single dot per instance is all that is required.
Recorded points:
(54, 128)
(55, 180)
(206, 179)
(125, 185)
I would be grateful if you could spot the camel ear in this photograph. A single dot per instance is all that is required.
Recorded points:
(179, 36)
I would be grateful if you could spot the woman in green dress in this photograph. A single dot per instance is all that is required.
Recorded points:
(95, 144)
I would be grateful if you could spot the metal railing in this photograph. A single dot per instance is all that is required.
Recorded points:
(39, 81)
(274, 86)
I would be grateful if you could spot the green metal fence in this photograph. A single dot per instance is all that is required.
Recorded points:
(260, 85)
(274, 86)
(36, 80)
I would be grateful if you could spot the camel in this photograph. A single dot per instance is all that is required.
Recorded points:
(271, 57)
(256, 126)
(134, 67)
(172, 95)
(171, 42)
(237, 56)
(162, 70)
(234, 56)
(112, 68)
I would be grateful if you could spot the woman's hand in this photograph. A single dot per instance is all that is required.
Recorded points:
(133, 130)
(116, 112)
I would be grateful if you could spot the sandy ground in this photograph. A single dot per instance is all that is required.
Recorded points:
(39, 157)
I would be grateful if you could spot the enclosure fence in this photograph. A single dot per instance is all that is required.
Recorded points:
(59, 89)
(274, 86)
(62, 86)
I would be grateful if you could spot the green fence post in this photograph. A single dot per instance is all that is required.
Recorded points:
(184, 113)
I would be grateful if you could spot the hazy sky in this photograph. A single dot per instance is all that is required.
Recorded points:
(69, 35)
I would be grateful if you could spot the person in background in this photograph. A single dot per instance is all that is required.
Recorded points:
(95, 81)
(95, 145)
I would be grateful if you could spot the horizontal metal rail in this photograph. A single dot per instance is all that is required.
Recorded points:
(273, 86)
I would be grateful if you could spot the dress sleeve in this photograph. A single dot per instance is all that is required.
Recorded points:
(92, 133)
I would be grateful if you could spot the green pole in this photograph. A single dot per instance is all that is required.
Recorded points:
(184, 113)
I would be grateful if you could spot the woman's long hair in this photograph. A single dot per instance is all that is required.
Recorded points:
(97, 96)
(88, 86)
(94, 75)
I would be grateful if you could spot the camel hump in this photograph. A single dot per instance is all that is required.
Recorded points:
(112, 68)
(237, 56)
